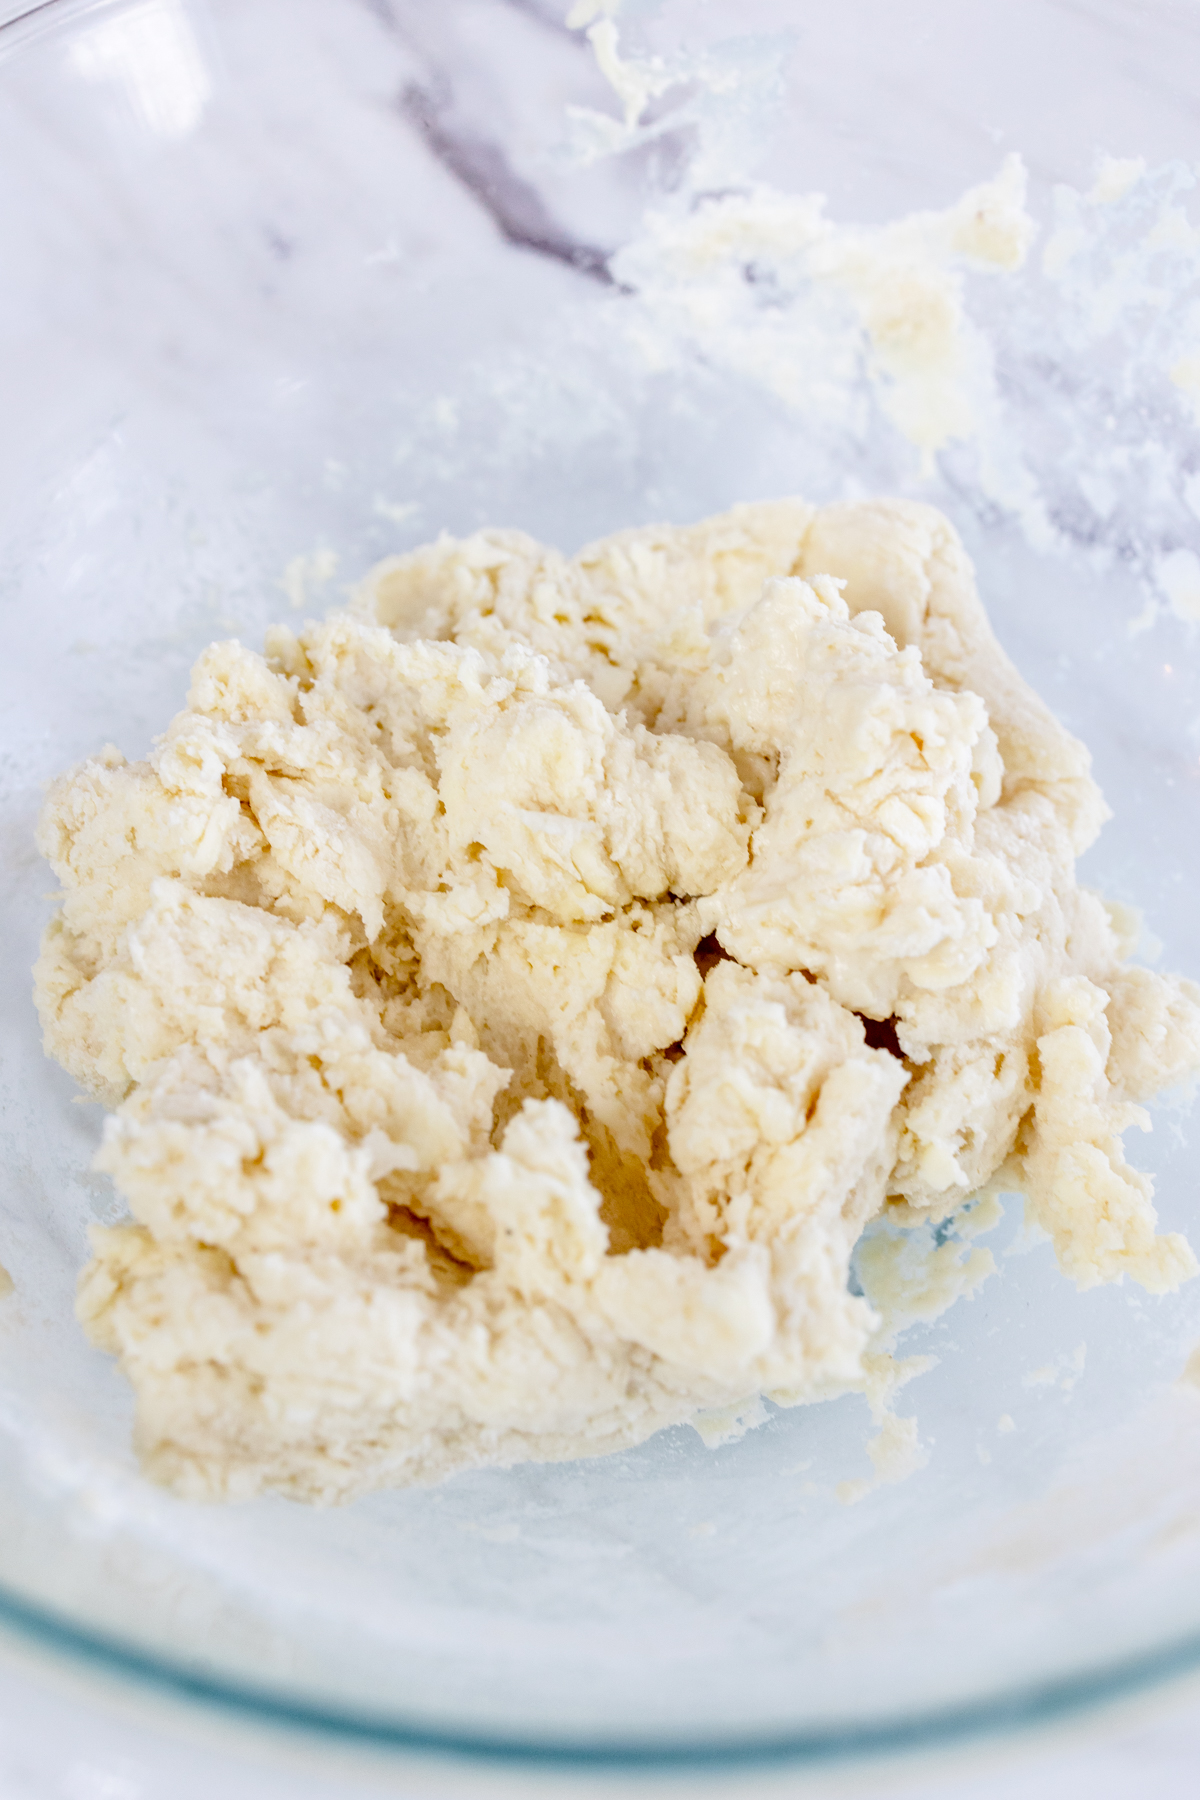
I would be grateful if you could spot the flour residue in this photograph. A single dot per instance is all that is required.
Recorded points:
(1045, 360)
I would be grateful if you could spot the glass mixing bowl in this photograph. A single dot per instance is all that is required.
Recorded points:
(290, 284)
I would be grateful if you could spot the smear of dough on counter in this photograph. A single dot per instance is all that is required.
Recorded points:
(517, 993)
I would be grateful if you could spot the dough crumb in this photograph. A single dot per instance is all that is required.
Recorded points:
(516, 993)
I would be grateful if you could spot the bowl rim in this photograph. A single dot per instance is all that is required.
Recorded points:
(23, 20)
(1006, 1715)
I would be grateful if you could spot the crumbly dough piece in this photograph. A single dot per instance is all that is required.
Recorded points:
(517, 993)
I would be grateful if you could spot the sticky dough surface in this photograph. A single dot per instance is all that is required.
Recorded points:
(517, 993)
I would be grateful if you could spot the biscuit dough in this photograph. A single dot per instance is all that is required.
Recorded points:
(516, 994)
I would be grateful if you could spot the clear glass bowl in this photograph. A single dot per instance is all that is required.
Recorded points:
(291, 284)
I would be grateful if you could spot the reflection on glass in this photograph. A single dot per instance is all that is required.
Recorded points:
(150, 50)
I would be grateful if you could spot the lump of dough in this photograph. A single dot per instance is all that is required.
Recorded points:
(515, 995)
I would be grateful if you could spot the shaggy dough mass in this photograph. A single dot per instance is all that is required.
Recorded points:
(517, 993)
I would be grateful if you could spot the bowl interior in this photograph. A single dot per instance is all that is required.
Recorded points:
(294, 284)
